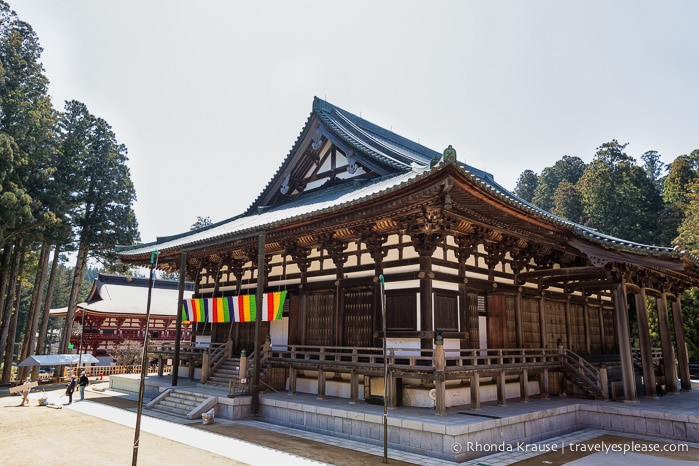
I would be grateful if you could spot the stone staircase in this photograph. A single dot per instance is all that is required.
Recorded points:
(182, 403)
(228, 370)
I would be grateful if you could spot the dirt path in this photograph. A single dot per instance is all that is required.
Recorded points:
(34, 435)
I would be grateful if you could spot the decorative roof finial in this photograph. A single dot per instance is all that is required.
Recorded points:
(449, 154)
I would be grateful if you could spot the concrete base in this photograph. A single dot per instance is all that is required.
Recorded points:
(132, 382)
(467, 434)
(225, 408)
(464, 434)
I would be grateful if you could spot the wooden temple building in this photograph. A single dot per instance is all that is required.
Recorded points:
(378, 240)
(115, 311)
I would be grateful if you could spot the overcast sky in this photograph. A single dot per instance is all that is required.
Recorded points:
(210, 95)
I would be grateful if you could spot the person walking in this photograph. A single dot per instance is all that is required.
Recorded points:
(70, 389)
(25, 391)
(82, 383)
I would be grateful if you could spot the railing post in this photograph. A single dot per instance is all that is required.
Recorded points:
(474, 381)
(440, 364)
(267, 348)
(243, 368)
(603, 382)
(292, 379)
(321, 375)
(561, 374)
(205, 366)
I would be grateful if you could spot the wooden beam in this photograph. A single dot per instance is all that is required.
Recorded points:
(570, 273)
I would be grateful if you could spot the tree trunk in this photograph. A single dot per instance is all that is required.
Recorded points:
(43, 332)
(35, 308)
(7, 338)
(13, 299)
(78, 276)
(4, 284)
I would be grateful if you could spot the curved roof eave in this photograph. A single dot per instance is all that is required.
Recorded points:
(275, 218)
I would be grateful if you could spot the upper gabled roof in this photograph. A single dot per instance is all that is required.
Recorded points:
(378, 151)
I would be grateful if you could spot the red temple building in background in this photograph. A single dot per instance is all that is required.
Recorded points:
(115, 311)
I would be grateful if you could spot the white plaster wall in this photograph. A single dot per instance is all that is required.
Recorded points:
(279, 332)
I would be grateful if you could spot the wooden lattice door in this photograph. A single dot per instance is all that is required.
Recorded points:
(358, 323)
(320, 319)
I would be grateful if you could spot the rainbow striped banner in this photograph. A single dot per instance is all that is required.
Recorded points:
(241, 308)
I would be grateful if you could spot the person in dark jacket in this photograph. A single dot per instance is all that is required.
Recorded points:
(82, 383)
(70, 389)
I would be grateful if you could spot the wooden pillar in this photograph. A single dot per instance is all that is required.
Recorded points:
(666, 344)
(518, 319)
(602, 331)
(682, 356)
(542, 320)
(544, 384)
(586, 322)
(624, 340)
(354, 386)
(524, 386)
(502, 393)
(475, 390)
(321, 383)
(178, 324)
(292, 379)
(644, 343)
(569, 334)
(392, 390)
(425, 275)
(260, 291)
(464, 304)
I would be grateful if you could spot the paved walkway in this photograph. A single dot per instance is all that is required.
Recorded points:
(174, 429)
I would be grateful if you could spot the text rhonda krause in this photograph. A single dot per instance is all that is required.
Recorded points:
(630, 447)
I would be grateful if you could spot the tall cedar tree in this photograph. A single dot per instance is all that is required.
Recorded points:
(526, 185)
(93, 164)
(618, 197)
(27, 125)
(569, 168)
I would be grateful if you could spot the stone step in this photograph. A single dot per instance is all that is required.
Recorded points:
(220, 382)
(170, 410)
(224, 371)
(187, 396)
(189, 405)
(184, 401)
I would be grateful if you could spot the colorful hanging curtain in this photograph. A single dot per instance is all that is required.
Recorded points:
(234, 308)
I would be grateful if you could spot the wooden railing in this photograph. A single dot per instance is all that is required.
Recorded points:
(656, 356)
(217, 354)
(591, 376)
(187, 348)
(415, 360)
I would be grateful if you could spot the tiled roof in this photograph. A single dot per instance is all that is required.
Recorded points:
(114, 294)
(390, 149)
(311, 204)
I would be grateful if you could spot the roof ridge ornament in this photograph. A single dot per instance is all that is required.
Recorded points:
(449, 154)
